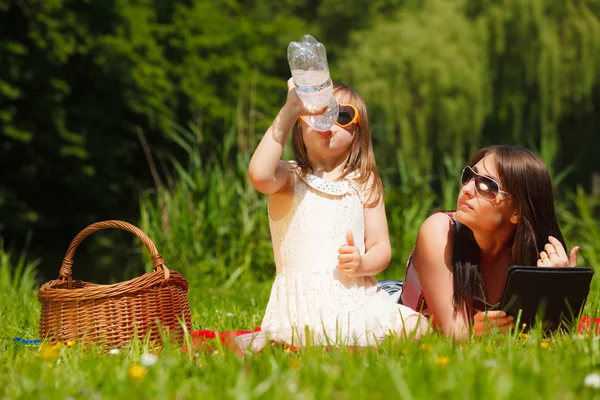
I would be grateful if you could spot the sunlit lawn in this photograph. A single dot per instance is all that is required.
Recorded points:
(498, 367)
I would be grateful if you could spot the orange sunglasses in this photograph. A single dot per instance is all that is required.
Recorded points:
(348, 114)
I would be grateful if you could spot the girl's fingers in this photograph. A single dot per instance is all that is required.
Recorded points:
(315, 111)
(345, 249)
(290, 84)
(344, 258)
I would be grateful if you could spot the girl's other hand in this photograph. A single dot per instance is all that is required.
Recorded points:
(554, 255)
(349, 259)
(486, 321)
(296, 105)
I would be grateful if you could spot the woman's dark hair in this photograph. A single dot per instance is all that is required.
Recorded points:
(525, 176)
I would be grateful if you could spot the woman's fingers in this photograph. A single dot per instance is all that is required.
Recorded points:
(502, 324)
(573, 256)
(490, 315)
(554, 255)
(506, 328)
(495, 323)
(557, 246)
(540, 263)
(544, 261)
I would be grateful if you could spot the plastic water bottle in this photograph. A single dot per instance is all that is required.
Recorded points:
(310, 72)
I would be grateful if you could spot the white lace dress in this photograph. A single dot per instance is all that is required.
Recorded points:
(308, 291)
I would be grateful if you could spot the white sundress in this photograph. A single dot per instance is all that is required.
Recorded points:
(308, 291)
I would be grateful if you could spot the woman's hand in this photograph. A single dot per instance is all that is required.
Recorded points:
(295, 104)
(486, 321)
(554, 255)
(349, 259)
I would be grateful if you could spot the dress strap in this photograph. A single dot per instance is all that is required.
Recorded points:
(453, 220)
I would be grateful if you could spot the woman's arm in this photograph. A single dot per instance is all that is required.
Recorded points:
(432, 259)
(378, 252)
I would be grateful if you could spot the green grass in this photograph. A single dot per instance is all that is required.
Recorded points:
(496, 367)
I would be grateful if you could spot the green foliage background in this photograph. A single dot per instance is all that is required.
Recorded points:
(87, 85)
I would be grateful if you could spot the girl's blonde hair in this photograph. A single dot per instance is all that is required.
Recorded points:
(361, 159)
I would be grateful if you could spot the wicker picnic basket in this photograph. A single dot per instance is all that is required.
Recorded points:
(111, 315)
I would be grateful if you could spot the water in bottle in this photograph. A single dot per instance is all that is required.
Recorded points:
(310, 72)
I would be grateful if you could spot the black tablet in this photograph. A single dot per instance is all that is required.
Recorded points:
(555, 296)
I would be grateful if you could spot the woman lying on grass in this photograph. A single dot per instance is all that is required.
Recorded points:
(505, 216)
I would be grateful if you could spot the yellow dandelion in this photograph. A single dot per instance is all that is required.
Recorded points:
(49, 351)
(524, 325)
(70, 343)
(443, 360)
(524, 336)
(426, 346)
(545, 344)
(295, 363)
(137, 372)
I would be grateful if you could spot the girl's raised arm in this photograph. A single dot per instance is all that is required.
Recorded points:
(267, 172)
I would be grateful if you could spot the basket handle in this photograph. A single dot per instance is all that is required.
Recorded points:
(66, 270)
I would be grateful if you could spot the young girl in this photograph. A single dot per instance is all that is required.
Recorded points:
(328, 228)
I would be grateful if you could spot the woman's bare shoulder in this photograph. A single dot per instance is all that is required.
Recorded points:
(433, 249)
(438, 224)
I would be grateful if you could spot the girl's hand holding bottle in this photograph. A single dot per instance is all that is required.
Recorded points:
(266, 171)
(349, 258)
(296, 107)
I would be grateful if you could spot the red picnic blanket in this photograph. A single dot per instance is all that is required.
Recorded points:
(205, 339)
